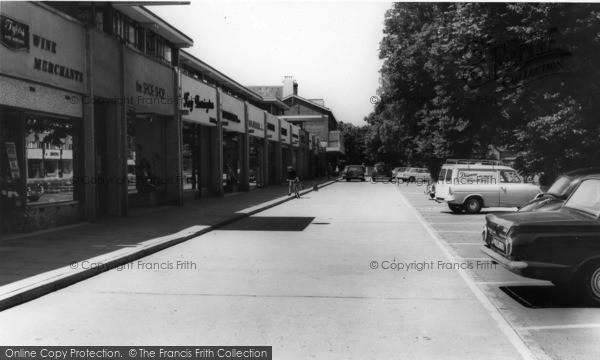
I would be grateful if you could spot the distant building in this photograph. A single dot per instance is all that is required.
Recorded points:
(311, 115)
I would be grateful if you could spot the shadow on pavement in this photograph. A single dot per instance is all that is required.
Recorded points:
(270, 223)
(542, 296)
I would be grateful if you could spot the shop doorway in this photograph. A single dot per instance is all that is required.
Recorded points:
(147, 181)
(255, 172)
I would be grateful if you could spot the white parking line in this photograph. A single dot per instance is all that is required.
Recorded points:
(454, 223)
(513, 336)
(459, 231)
(464, 243)
(558, 327)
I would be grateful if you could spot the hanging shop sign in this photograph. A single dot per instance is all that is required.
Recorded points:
(232, 114)
(256, 121)
(198, 102)
(42, 46)
(14, 34)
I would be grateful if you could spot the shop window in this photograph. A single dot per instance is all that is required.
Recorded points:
(190, 154)
(49, 159)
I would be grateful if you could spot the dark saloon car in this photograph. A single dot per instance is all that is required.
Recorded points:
(381, 172)
(562, 246)
(355, 172)
(559, 191)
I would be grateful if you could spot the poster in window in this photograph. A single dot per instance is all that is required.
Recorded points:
(11, 151)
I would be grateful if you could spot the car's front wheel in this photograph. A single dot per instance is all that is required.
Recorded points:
(457, 209)
(473, 205)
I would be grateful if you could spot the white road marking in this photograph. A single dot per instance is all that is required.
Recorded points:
(558, 327)
(459, 231)
(513, 336)
(453, 223)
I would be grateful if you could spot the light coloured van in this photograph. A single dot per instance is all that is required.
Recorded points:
(472, 184)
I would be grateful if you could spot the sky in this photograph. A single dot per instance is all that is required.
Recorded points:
(330, 48)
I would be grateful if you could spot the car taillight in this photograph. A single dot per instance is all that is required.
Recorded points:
(449, 190)
(510, 238)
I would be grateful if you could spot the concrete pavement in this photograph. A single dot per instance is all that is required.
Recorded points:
(333, 276)
(32, 265)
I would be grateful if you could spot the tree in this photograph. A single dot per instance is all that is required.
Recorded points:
(459, 77)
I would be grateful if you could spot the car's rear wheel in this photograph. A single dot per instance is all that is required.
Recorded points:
(457, 209)
(590, 279)
(473, 205)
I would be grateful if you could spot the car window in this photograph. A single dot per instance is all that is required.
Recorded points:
(586, 198)
(449, 175)
(560, 186)
(466, 176)
(354, 168)
(509, 176)
(442, 174)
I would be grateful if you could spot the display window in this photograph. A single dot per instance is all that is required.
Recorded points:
(38, 158)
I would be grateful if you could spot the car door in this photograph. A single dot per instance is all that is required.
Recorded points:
(512, 192)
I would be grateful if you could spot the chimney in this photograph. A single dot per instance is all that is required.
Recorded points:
(290, 87)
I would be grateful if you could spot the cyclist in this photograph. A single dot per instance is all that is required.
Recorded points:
(292, 179)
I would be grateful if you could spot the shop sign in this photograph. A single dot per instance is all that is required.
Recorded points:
(48, 48)
(272, 127)
(198, 101)
(233, 113)
(231, 117)
(14, 34)
(52, 154)
(149, 84)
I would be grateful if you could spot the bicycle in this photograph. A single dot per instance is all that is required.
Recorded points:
(296, 187)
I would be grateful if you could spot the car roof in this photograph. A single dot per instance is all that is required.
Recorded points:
(584, 171)
(477, 167)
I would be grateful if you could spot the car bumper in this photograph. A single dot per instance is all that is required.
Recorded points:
(531, 269)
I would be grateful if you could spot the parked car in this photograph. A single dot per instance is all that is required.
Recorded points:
(470, 185)
(381, 172)
(354, 172)
(562, 246)
(416, 174)
(397, 171)
(564, 185)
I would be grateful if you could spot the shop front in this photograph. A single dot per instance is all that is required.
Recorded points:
(233, 124)
(42, 67)
(295, 150)
(151, 125)
(286, 147)
(200, 138)
(273, 150)
(257, 148)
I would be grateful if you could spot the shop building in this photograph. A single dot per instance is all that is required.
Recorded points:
(103, 114)
(88, 112)
(313, 117)
(43, 75)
